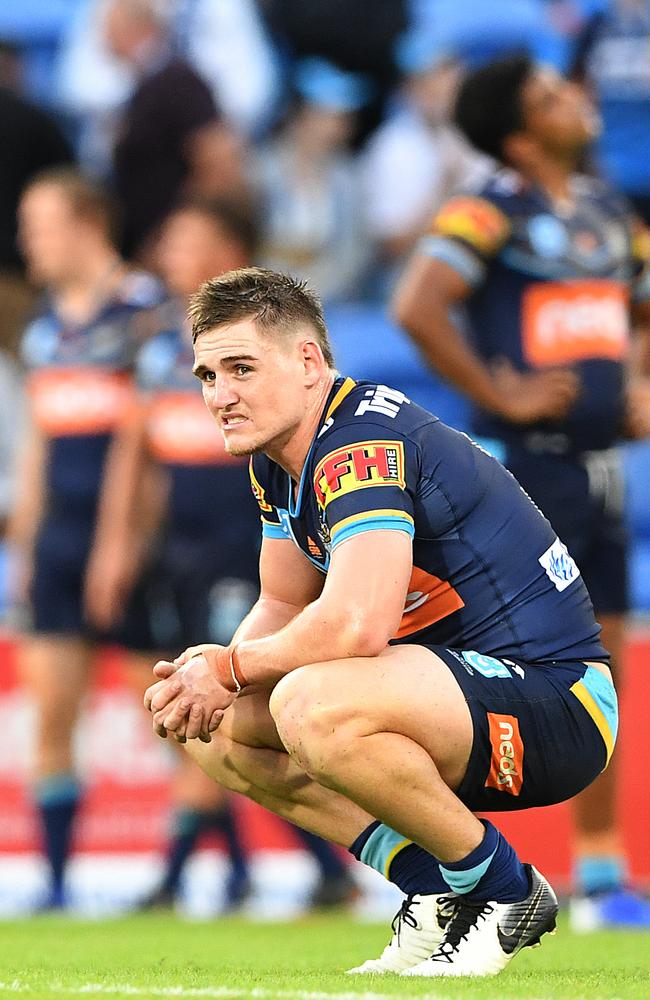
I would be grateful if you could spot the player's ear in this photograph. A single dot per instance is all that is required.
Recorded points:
(313, 362)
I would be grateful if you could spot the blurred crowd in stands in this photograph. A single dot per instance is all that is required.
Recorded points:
(310, 136)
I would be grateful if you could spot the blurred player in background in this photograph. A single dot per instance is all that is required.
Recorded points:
(553, 271)
(203, 578)
(79, 351)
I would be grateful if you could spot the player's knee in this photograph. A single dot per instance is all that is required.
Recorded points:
(315, 727)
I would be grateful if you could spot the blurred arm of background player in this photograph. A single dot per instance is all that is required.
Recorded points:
(424, 298)
(637, 424)
(131, 509)
(26, 513)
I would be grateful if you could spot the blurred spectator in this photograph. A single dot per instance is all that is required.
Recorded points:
(204, 577)
(30, 142)
(613, 58)
(35, 28)
(417, 158)
(79, 350)
(171, 139)
(217, 37)
(357, 36)
(309, 189)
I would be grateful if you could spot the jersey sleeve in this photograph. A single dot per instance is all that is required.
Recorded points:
(272, 524)
(364, 480)
(467, 232)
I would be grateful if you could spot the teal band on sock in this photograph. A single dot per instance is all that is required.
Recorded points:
(381, 847)
(465, 881)
(600, 874)
(56, 788)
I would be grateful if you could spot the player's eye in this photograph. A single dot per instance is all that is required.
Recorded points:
(208, 376)
(242, 369)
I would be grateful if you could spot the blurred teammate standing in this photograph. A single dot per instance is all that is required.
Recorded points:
(551, 268)
(79, 351)
(204, 575)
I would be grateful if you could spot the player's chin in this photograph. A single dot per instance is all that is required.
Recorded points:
(239, 446)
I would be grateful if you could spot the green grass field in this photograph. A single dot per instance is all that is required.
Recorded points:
(160, 956)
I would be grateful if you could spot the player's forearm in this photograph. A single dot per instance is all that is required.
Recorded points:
(319, 633)
(266, 617)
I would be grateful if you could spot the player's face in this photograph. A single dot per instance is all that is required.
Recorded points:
(254, 385)
(557, 113)
(194, 248)
(48, 234)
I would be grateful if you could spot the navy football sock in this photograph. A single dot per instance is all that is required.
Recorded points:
(491, 871)
(187, 827)
(398, 859)
(57, 800)
(223, 819)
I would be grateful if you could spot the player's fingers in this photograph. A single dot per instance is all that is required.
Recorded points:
(164, 669)
(150, 693)
(187, 654)
(194, 722)
(176, 715)
(165, 694)
(160, 731)
(215, 719)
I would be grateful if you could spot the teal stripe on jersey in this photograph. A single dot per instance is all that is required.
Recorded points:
(273, 530)
(373, 524)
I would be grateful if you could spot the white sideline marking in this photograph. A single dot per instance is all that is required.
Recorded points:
(210, 992)
(215, 992)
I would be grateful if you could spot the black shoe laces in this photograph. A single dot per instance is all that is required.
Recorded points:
(467, 914)
(405, 915)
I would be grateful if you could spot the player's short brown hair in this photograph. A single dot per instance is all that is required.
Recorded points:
(274, 301)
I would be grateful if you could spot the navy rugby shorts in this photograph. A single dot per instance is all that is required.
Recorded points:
(542, 732)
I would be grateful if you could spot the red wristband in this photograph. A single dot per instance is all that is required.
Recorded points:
(228, 669)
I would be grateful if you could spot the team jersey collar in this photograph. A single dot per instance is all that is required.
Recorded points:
(342, 387)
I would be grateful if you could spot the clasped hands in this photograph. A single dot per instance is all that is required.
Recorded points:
(189, 699)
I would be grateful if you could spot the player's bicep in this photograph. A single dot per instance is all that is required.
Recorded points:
(286, 575)
(427, 286)
(368, 580)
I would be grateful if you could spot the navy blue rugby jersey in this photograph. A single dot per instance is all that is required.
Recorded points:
(489, 573)
(209, 489)
(549, 290)
(80, 381)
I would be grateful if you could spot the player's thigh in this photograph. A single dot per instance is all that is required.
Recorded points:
(408, 690)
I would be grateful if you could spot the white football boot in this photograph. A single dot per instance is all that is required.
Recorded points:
(418, 928)
(482, 937)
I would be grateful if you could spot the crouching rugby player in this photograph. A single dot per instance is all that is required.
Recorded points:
(423, 647)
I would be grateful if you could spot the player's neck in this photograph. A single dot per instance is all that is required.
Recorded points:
(291, 453)
(554, 177)
(79, 296)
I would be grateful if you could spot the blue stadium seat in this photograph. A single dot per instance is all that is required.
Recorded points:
(367, 344)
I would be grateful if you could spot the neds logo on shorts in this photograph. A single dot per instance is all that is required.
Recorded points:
(364, 463)
(507, 761)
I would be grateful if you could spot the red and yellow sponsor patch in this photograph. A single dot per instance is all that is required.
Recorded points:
(358, 465)
(429, 599)
(79, 401)
(507, 761)
(258, 491)
(475, 221)
(181, 431)
(567, 322)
